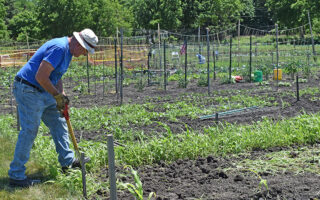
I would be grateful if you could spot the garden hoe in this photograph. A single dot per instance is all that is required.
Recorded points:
(73, 138)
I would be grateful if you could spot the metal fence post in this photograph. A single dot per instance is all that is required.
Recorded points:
(112, 174)
(83, 172)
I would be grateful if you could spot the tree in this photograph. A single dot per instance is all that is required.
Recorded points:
(261, 18)
(3, 28)
(221, 14)
(190, 12)
(293, 13)
(108, 15)
(62, 17)
(148, 14)
(24, 23)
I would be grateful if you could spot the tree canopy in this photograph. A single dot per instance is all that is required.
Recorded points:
(54, 18)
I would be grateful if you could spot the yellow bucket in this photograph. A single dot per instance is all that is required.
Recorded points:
(275, 74)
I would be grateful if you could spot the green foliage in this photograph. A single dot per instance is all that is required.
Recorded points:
(266, 69)
(263, 182)
(218, 15)
(148, 14)
(284, 84)
(136, 190)
(292, 67)
(108, 15)
(203, 80)
(63, 17)
(182, 83)
(24, 24)
(294, 13)
(141, 84)
(225, 79)
(56, 18)
(3, 28)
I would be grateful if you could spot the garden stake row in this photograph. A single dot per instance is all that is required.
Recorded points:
(298, 98)
(216, 115)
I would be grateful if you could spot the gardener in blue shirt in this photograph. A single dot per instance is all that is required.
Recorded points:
(39, 94)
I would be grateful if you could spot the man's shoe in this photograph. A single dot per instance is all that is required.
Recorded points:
(23, 183)
(75, 164)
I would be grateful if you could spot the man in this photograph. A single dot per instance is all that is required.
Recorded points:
(39, 94)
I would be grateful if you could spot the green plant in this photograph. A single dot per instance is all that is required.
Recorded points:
(303, 80)
(266, 70)
(292, 68)
(225, 79)
(284, 84)
(263, 182)
(141, 84)
(306, 70)
(82, 88)
(263, 83)
(203, 81)
(135, 189)
(182, 83)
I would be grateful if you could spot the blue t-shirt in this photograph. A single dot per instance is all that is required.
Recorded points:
(56, 52)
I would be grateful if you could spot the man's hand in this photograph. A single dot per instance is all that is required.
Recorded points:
(61, 100)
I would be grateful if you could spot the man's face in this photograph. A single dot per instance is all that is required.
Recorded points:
(79, 50)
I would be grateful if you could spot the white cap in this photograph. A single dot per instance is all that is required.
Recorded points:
(87, 38)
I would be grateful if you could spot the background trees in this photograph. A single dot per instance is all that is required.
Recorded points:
(292, 13)
(54, 18)
(3, 28)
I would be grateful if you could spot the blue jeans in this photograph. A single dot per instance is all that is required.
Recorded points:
(34, 106)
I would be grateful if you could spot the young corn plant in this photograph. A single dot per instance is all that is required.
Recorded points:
(136, 189)
(263, 182)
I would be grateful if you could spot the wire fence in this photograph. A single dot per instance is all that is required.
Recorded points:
(160, 57)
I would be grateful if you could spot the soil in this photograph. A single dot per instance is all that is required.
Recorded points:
(216, 178)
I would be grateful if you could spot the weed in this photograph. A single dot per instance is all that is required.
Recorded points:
(135, 189)
(203, 81)
(263, 182)
(284, 84)
(141, 84)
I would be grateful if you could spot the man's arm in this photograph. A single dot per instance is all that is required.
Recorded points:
(42, 77)
(59, 87)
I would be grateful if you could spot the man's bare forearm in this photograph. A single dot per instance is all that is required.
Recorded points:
(59, 87)
(48, 86)
(42, 77)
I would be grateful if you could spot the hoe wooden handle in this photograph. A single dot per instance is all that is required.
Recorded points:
(73, 138)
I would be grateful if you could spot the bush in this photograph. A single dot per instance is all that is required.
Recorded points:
(203, 81)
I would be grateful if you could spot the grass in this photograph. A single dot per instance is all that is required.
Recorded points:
(231, 139)
(294, 160)
(8, 137)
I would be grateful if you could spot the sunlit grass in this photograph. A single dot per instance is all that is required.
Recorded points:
(296, 160)
(34, 169)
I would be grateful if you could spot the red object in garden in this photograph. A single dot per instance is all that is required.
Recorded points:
(238, 78)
